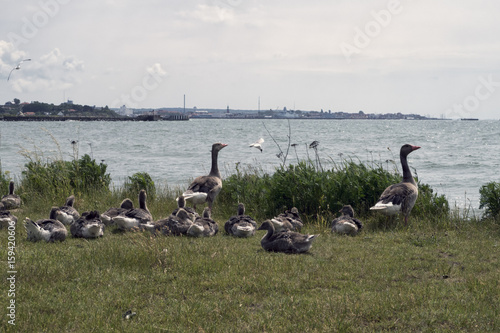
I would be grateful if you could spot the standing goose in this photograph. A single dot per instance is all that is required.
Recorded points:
(67, 214)
(107, 216)
(11, 200)
(285, 241)
(346, 224)
(49, 230)
(89, 225)
(134, 218)
(205, 188)
(400, 197)
(204, 226)
(179, 221)
(240, 225)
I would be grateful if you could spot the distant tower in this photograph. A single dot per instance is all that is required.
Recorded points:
(227, 109)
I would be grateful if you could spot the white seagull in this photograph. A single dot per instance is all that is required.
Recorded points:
(257, 144)
(17, 67)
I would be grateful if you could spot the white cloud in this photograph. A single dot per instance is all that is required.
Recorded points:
(53, 71)
(210, 14)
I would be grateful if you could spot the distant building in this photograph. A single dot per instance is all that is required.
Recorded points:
(124, 111)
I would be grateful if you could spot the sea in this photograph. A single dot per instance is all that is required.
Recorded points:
(456, 157)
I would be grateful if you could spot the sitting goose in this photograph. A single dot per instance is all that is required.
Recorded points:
(400, 197)
(89, 225)
(240, 225)
(107, 216)
(6, 219)
(178, 222)
(181, 205)
(136, 217)
(289, 220)
(346, 224)
(206, 188)
(49, 230)
(11, 200)
(203, 226)
(67, 214)
(284, 241)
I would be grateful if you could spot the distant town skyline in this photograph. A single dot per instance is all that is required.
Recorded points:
(414, 57)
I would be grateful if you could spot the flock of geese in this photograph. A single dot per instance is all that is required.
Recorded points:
(283, 231)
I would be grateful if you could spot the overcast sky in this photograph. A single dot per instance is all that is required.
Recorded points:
(426, 57)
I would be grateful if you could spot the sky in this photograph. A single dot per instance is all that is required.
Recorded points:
(434, 58)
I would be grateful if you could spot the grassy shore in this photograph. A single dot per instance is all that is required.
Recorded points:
(438, 276)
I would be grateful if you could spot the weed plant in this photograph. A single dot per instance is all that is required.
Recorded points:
(490, 199)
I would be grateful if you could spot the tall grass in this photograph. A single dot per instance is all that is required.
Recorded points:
(319, 193)
(490, 199)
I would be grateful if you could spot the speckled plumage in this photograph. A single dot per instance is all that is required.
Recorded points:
(240, 225)
(284, 241)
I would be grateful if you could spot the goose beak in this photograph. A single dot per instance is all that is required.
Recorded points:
(415, 148)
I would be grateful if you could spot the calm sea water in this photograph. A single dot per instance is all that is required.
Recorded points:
(456, 157)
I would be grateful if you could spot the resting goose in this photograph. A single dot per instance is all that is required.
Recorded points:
(67, 214)
(401, 197)
(204, 226)
(107, 216)
(289, 220)
(89, 225)
(346, 224)
(240, 225)
(181, 205)
(11, 200)
(284, 241)
(206, 188)
(49, 230)
(6, 219)
(178, 222)
(136, 217)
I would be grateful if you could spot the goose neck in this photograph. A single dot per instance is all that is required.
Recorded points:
(407, 176)
(214, 171)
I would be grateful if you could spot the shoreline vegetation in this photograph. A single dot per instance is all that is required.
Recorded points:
(440, 273)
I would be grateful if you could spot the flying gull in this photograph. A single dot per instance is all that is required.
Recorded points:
(257, 144)
(17, 67)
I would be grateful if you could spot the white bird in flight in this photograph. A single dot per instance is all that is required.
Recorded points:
(257, 144)
(17, 67)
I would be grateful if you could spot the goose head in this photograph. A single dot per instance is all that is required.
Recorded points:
(266, 225)
(347, 210)
(181, 202)
(70, 201)
(127, 204)
(54, 212)
(142, 200)
(216, 147)
(407, 148)
(206, 213)
(241, 209)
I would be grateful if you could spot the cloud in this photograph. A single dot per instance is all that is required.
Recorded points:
(51, 71)
(210, 14)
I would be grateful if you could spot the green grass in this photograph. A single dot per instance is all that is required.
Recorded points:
(438, 274)
(407, 279)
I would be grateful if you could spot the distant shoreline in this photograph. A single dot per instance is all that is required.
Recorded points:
(181, 118)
